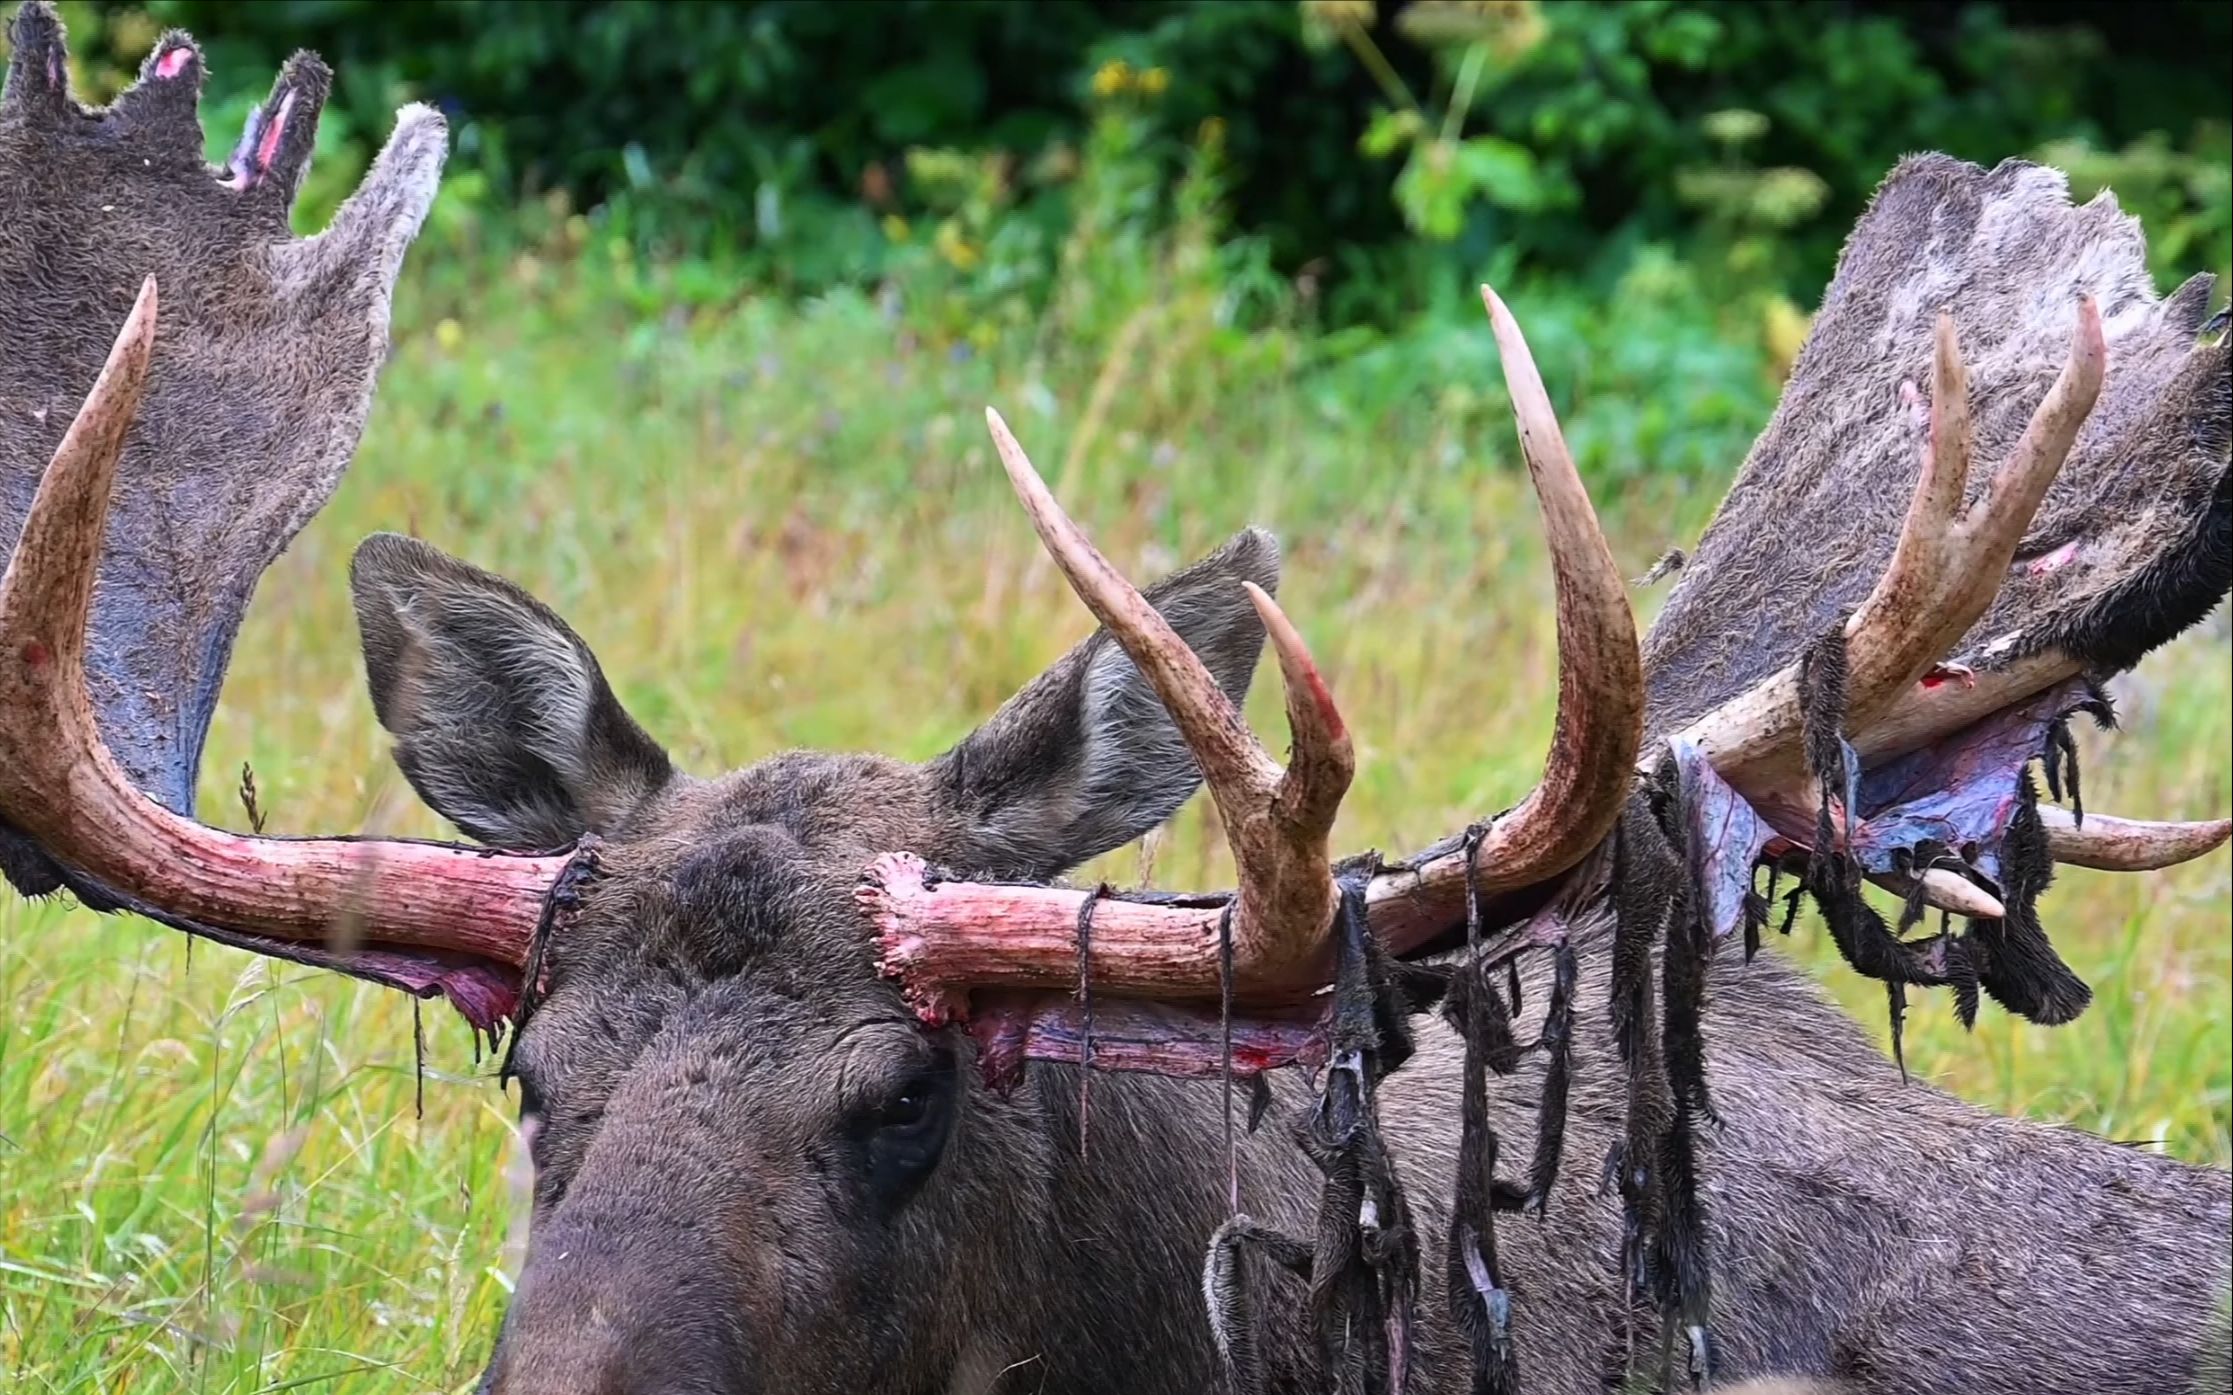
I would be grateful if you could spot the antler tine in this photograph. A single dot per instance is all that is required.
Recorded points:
(1948, 446)
(38, 83)
(1600, 724)
(60, 784)
(1999, 520)
(951, 936)
(364, 245)
(48, 590)
(1236, 768)
(1322, 762)
(1945, 570)
(1276, 821)
(1600, 719)
(2128, 845)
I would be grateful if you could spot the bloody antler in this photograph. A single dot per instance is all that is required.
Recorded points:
(943, 939)
(1945, 571)
(1276, 820)
(60, 784)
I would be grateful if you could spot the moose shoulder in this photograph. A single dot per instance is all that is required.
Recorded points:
(831, 1090)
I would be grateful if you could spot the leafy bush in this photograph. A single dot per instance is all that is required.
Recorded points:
(780, 134)
(1291, 192)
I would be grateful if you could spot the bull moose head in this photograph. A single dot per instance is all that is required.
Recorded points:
(832, 1090)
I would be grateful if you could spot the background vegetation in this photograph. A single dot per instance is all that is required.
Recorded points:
(694, 348)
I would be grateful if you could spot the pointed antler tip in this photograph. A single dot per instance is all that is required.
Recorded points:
(143, 310)
(1037, 499)
(1277, 626)
(2091, 341)
(1312, 712)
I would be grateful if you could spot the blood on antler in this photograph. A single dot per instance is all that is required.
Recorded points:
(1277, 821)
(942, 937)
(60, 785)
(1945, 570)
(945, 940)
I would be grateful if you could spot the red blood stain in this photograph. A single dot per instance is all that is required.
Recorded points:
(1255, 1060)
(35, 654)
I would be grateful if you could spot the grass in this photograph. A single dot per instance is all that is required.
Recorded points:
(783, 527)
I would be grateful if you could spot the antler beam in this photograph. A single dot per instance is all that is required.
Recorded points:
(60, 785)
(942, 939)
(1945, 570)
(2128, 845)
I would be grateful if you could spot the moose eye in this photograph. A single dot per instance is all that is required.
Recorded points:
(906, 1131)
(910, 1110)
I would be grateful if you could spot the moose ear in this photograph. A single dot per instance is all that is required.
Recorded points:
(503, 722)
(1085, 758)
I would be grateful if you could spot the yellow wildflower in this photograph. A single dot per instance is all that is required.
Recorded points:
(1114, 77)
(449, 334)
(954, 246)
(1155, 81)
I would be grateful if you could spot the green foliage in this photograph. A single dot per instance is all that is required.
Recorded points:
(2182, 194)
(1378, 151)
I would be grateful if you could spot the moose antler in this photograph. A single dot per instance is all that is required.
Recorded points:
(1276, 820)
(936, 935)
(1923, 719)
(139, 513)
(1945, 570)
(60, 785)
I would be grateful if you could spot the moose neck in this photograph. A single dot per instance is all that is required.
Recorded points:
(1106, 1289)
(1107, 1294)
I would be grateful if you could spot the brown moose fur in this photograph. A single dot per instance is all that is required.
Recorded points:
(713, 1019)
(715, 1207)
(756, 1175)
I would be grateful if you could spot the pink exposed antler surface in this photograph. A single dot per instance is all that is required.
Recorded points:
(946, 940)
(942, 940)
(60, 785)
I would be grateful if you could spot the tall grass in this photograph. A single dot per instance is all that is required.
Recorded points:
(782, 526)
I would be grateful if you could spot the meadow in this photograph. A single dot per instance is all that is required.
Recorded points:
(781, 525)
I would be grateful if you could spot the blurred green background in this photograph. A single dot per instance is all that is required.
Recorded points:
(1678, 174)
(694, 347)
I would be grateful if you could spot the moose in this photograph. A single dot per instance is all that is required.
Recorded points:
(831, 1087)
